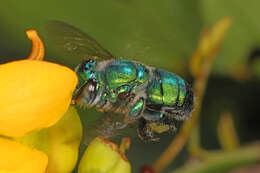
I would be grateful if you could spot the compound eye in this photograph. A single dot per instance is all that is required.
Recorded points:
(91, 86)
(90, 91)
(87, 93)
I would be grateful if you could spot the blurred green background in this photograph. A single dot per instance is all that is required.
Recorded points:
(163, 34)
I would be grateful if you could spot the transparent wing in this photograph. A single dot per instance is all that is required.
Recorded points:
(111, 125)
(108, 125)
(73, 41)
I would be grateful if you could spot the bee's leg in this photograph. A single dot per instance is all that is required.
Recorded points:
(165, 124)
(159, 124)
(144, 131)
(172, 121)
(135, 109)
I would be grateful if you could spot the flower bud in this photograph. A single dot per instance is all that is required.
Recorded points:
(103, 156)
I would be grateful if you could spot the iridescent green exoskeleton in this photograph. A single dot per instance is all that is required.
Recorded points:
(152, 97)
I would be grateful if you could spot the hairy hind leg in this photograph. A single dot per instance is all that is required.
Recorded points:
(147, 128)
(144, 131)
(164, 124)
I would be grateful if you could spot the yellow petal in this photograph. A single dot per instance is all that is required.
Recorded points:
(103, 157)
(60, 142)
(34, 95)
(18, 158)
(65, 138)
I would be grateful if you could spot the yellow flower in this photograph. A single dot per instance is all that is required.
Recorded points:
(103, 156)
(35, 94)
(18, 158)
(60, 142)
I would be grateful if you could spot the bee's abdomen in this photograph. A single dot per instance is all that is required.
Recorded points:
(168, 90)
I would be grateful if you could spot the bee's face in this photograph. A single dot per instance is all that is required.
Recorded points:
(86, 89)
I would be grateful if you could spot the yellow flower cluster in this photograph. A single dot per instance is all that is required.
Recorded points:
(39, 131)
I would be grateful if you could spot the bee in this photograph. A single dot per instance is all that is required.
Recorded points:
(152, 97)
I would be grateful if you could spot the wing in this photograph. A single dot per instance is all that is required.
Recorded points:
(110, 124)
(107, 125)
(72, 41)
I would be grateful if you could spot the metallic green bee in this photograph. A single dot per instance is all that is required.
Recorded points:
(153, 97)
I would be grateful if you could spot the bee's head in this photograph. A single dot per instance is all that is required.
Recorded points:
(86, 90)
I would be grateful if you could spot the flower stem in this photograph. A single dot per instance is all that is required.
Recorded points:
(224, 161)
